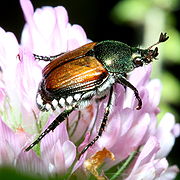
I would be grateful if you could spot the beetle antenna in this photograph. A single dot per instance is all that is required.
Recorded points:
(162, 38)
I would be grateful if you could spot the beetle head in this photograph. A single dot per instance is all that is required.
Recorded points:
(146, 56)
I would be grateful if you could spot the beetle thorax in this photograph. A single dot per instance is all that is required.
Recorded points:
(114, 55)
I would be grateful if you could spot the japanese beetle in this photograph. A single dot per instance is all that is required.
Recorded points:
(72, 79)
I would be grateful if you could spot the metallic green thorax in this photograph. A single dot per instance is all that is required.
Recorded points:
(117, 56)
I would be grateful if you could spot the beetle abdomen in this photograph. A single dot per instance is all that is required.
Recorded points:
(63, 101)
(79, 99)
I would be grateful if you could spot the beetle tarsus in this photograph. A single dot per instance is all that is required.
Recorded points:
(139, 106)
(46, 58)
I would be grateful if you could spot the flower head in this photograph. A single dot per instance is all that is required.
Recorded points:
(48, 32)
(20, 76)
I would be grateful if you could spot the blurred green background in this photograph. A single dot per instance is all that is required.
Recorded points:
(135, 22)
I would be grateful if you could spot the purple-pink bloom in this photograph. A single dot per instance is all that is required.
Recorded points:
(58, 150)
(129, 129)
(146, 167)
(20, 76)
(10, 144)
(48, 32)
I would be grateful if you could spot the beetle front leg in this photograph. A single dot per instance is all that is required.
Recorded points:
(122, 80)
(103, 123)
(46, 58)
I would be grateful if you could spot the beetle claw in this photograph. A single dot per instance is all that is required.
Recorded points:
(138, 107)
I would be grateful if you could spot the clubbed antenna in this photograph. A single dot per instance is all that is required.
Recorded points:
(162, 38)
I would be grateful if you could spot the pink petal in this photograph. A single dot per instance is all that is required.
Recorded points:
(140, 76)
(11, 144)
(134, 137)
(127, 116)
(85, 142)
(119, 96)
(2, 95)
(80, 162)
(76, 37)
(46, 29)
(69, 150)
(111, 133)
(7, 153)
(150, 170)
(130, 141)
(41, 32)
(64, 155)
(28, 74)
(169, 174)
(27, 8)
(176, 130)
(147, 153)
(9, 137)
(59, 134)
(165, 135)
(154, 87)
(60, 43)
(59, 159)
(9, 50)
(62, 16)
(85, 119)
(160, 165)
(29, 162)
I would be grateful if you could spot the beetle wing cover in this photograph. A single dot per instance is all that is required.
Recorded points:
(68, 56)
(79, 74)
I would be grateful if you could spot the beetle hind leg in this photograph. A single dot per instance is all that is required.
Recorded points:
(103, 123)
(52, 126)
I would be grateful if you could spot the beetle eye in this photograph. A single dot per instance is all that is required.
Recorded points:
(138, 61)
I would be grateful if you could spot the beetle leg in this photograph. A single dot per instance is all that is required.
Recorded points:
(52, 126)
(46, 58)
(122, 80)
(103, 123)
